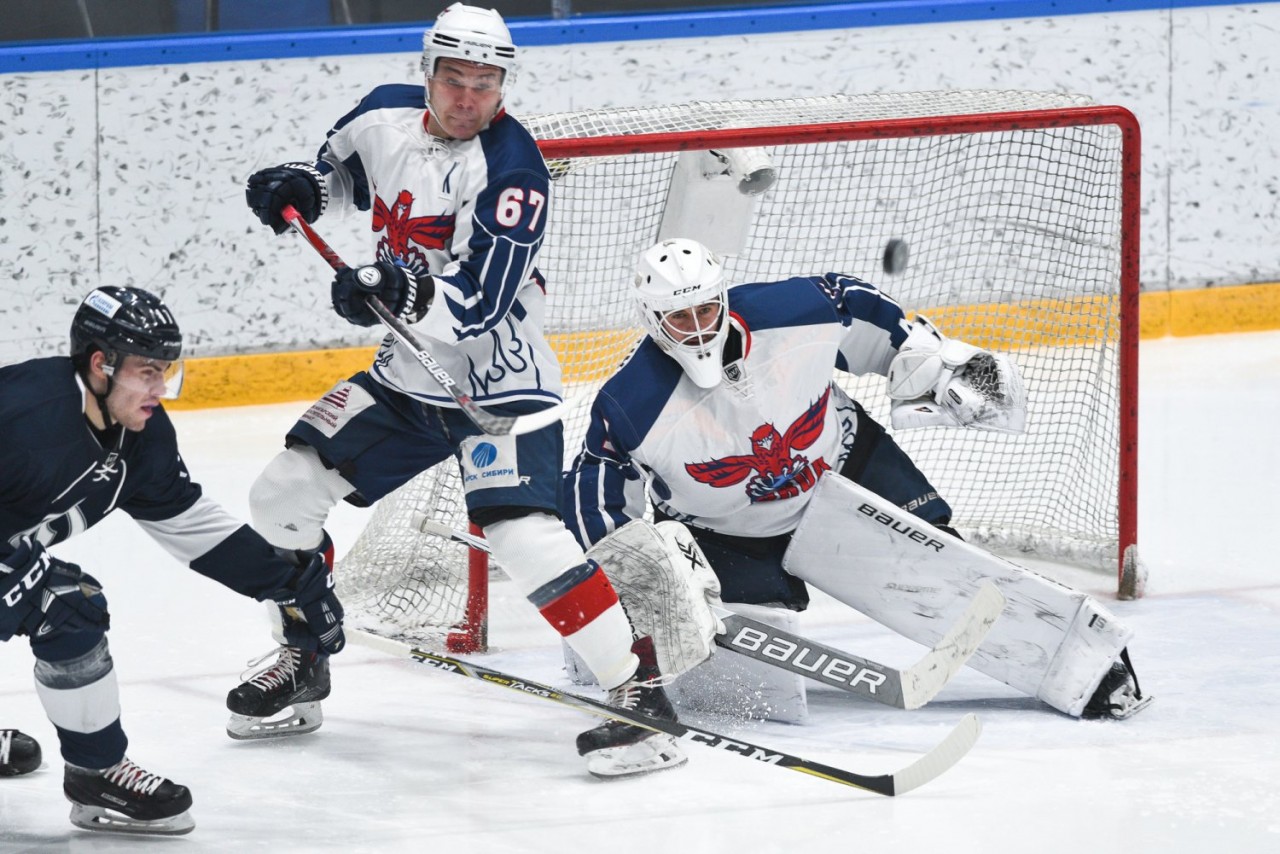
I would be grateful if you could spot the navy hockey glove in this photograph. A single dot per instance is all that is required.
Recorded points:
(310, 594)
(297, 184)
(40, 594)
(400, 291)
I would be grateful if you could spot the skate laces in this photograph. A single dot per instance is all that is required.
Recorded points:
(6, 741)
(282, 670)
(628, 694)
(127, 775)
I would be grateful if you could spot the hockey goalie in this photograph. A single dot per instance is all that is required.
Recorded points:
(726, 419)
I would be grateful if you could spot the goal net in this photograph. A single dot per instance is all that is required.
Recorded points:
(1007, 218)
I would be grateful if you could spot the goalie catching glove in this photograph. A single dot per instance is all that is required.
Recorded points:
(937, 381)
(404, 294)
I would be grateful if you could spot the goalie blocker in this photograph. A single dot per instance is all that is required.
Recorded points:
(1051, 642)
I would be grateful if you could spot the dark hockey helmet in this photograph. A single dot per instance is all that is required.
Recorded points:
(120, 321)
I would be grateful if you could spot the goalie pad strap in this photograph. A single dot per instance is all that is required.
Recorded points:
(1050, 642)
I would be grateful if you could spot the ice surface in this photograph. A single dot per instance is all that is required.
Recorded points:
(413, 760)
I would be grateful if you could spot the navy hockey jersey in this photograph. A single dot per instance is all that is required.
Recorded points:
(59, 477)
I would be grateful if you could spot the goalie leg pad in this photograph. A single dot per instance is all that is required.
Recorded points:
(1050, 642)
(665, 585)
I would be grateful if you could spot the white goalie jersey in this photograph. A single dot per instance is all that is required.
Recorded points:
(741, 457)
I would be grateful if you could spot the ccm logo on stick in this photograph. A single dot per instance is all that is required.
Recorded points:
(829, 667)
(902, 528)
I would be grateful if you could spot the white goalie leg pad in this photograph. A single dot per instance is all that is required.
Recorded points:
(1051, 642)
(742, 687)
(667, 587)
(291, 499)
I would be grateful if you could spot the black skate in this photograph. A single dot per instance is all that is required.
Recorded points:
(294, 685)
(616, 749)
(126, 799)
(1118, 695)
(19, 753)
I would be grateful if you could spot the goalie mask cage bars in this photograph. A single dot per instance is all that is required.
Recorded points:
(1010, 219)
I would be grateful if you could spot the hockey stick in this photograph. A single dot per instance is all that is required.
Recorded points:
(904, 689)
(922, 770)
(494, 425)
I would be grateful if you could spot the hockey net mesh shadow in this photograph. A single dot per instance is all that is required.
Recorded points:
(1014, 242)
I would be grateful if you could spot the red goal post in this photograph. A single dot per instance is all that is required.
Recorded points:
(1016, 216)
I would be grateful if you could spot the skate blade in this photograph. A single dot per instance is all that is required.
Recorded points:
(1132, 708)
(298, 719)
(656, 753)
(101, 820)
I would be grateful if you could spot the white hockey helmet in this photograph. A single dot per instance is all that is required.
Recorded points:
(471, 34)
(679, 275)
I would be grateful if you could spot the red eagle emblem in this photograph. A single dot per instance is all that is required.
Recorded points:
(772, 470)
(405, 236)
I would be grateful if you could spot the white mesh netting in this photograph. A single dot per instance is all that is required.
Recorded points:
(1014, 243)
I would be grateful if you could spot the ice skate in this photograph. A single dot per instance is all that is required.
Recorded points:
(1118, 695)
(282, 700)
(19, 753)
(616, 749)
(127, 799)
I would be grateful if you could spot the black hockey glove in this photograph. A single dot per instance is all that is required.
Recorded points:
(297, 184)
(401, 292)
(310, 594)
(40, 594)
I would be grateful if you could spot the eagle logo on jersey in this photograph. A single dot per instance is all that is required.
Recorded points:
(405, 234)
(773, 471)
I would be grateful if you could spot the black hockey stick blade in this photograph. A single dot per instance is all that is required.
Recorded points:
(494, 425)
(903, 689)
(946, 754)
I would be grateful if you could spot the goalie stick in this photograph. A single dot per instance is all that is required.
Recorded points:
(904, 689)
(494, 425)
(947, 753)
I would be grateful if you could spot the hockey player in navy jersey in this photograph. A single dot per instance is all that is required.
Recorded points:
(458, 194)
(81, 436)
(727, 419)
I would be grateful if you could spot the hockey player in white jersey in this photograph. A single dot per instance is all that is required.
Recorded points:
(458, 195)
(726, 418)
(81, 437)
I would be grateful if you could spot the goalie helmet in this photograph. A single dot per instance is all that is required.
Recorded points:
(471, 34)
(127, 321)
(682, 275)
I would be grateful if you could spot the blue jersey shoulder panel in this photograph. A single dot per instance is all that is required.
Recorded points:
(637, 393)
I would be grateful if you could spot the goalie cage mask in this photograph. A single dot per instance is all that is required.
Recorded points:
(679, 275)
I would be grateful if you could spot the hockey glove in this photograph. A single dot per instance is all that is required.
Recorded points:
(937, 381)
(40, 594)
(400, 291)
(310, 594)
(297, 184)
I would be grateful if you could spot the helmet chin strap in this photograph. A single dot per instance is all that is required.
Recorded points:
(101, 399)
